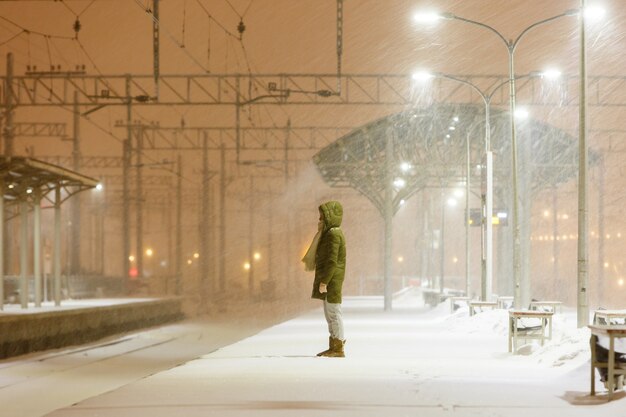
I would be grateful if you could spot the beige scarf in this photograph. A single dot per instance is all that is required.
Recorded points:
(309, 257)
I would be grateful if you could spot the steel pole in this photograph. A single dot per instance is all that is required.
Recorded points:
(37, 246)
(222, 257)
(1, 244)
(23, 252)
(467, 214)
(179, 227)
(125, 190)
(583, 297)
(139, 202)
(8, 106)
(518, 296)
(56, 263)
(75, 203)
(388, 221)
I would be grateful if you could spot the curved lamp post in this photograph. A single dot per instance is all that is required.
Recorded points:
(511, 46)
(486, 96)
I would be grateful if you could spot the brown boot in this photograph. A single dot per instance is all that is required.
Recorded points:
(330, 347)
(336, 349)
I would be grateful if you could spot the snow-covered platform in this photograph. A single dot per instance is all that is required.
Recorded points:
(79, 321)
(413, 361)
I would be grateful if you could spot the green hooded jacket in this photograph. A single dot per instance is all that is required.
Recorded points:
(330, 258)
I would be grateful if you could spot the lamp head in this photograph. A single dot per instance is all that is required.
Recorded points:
(594, 12)
(431, 17)
(422, 76)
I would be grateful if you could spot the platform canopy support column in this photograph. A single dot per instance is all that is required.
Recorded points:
(56, 263)
(37, 247)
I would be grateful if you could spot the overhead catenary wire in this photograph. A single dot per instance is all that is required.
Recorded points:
(12, 37)
(64, 3)
(97, 69)
(184, 21)
(34, 32)
(210, 16)
(169, 35)
(247, 9)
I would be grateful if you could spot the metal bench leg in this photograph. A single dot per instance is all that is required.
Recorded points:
(592, 342)
(611, 376)
(515, 336)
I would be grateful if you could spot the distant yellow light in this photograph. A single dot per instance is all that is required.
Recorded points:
(455, 259)
(565, 217)
(606, 264)
(546, 213)
(189, 261)
(400, 258)
(246, 266)
(131, 258)
(608, 236)
(149, 252)
(620, 282)
(495, 220)
(196, 255)
(619, 235)
(257, 256)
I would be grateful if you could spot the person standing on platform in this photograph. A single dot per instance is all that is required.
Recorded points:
(327, 255)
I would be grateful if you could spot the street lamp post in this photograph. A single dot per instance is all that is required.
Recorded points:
(487, 255)
(582, 312)
(511, 46)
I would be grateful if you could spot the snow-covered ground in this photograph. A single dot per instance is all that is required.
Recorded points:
(413, 361)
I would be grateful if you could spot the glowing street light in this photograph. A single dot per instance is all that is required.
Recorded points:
(196, 255)
(131, 258)
(99, 187)
(510, 45)
(521, 113)
(422, 76)
(149, 252)
(550, 73)
(257, 256)
(487, 258)
(246, 266)
(399, 183)
(405, 167)
(431, 17)
(594, 12)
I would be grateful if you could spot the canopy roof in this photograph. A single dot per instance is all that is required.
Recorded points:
(429, 150)
(24, 178)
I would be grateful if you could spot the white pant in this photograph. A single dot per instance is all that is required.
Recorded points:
(334, 318)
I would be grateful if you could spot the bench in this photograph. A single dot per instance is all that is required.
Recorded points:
(518, 331)
(432, 297)
(609, 317)
(480, 306)
(613, 368)
(458, 300)
(505, 302)
(546, 306)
